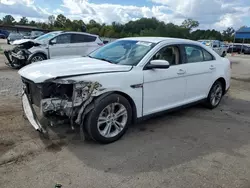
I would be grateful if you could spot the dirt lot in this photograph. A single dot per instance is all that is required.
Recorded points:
(192, 148)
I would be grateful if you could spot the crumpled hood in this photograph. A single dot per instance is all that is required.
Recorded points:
(40, 71)
(22, 41)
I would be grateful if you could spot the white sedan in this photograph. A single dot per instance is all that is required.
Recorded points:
(123, 81)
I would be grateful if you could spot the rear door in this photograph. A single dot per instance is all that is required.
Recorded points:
(201, 66)
(83, 44)
(60, 46)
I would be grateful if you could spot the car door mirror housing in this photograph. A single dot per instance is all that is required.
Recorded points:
(52, 42)
(158, 64)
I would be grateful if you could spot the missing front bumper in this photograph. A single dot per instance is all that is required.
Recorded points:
(13, 61)
(31, 114)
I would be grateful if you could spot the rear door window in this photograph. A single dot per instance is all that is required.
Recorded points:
(197, 54)
(81, 38)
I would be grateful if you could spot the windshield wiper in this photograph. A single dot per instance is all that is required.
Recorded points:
(103, 59)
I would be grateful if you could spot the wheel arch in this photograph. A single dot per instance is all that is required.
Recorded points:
(38, 53)
(223, 81)
(129, 98)
(131, 102)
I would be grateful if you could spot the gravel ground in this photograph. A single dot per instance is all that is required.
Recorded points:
(194, 147)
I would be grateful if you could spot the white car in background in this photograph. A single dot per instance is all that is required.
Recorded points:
(123, 81)
(51, 45)
(216, 45)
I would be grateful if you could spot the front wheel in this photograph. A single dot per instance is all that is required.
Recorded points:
(36, 58)
(109, 120)
(215, 95)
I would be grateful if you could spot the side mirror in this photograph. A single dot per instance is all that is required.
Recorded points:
(52, 42)
(158, 64)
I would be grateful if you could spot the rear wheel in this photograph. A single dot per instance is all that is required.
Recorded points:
(215, 95)
(223, 54)
(109, 120)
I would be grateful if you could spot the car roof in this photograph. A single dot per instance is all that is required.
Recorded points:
(84, 33)
(159, 39)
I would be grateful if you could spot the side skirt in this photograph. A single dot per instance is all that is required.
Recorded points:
(169, 110)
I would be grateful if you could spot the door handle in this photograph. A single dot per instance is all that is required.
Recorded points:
(212, 67)
(180, 72)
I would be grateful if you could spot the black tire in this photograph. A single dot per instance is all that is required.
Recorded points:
(223, 54)
(38, 56)
(92, 118)
(209, 102)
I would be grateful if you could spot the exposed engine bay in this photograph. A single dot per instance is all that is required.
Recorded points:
(62, 99)
(19, 55)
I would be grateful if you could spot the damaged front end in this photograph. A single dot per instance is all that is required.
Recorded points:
(18, 56)
(60, 100)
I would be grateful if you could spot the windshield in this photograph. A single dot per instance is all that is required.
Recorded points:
(123, 52)
(47, 37)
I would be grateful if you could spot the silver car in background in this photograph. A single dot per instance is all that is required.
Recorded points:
(14, 36)
(216, 45)
(51, 45)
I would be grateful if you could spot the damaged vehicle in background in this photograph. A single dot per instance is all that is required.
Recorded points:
(34, 35)
(121, 82)
(14, 36)
(51, 45)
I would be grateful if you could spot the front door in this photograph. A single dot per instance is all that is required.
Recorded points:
(164, 88)
(61, 46)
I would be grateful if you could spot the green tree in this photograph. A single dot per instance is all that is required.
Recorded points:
(76, 25)
(23, 21)
(148, 32)
(60, 21)
(190, 24)
(228, 34)
(51, 20)
(32, 23)
(8, 19)
(94, 30)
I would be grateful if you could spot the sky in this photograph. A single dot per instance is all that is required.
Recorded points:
(211, 14)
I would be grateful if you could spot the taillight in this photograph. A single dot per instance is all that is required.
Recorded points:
(100, 44)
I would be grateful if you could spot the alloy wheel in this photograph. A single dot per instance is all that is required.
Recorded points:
(216, 94)
(112, 120)
(36, 59)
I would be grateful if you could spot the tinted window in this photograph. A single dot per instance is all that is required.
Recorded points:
(89, 38)
(168, 53)
(193, 54)
(77, 38)
(62, 39)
